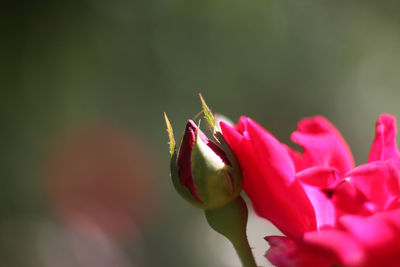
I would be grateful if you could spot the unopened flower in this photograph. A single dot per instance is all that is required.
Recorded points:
(205, 172)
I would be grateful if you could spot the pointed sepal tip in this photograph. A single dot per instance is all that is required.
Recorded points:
(171, 138)
(207, 113)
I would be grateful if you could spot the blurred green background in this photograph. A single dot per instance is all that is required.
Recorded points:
(67, 64)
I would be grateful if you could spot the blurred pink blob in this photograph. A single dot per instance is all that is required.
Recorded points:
(99, 178)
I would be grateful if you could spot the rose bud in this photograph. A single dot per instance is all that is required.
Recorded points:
(203, 172)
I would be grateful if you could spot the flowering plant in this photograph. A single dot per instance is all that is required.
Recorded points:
(330, 212)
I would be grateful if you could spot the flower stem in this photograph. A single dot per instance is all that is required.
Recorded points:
(230, 221)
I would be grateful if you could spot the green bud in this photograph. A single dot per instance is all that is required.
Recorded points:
(204, 172)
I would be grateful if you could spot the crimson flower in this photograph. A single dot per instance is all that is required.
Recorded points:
(331, 212)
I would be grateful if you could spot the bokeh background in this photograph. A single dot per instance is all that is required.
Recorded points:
(84, 161)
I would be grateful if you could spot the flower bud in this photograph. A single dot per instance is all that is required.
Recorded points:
(203, 172)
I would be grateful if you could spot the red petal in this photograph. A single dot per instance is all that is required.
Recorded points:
(376, 180)
(384, 146)
(269, 178)
(184, 158)
(320, 176)
(372, 232)
(323, 207)
(297, 158)
(284, 252)
(378, 234)
(323, 144)
(348, 199)
(340, 243)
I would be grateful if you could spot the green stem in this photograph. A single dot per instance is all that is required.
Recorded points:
(230, 221)
(243, 250)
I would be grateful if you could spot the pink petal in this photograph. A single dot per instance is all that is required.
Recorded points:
(384, 146)
(378, 234)
(371, 232)
(319, 176)
(296, 157)
(323, 144)
(392, 217)
(394, 204)
(313, 180)
(284, 252)
(269, 178)
(269, 150)
(393, 180)
(323, 207)
(340, 243)
(348, 199)
(376, 180)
